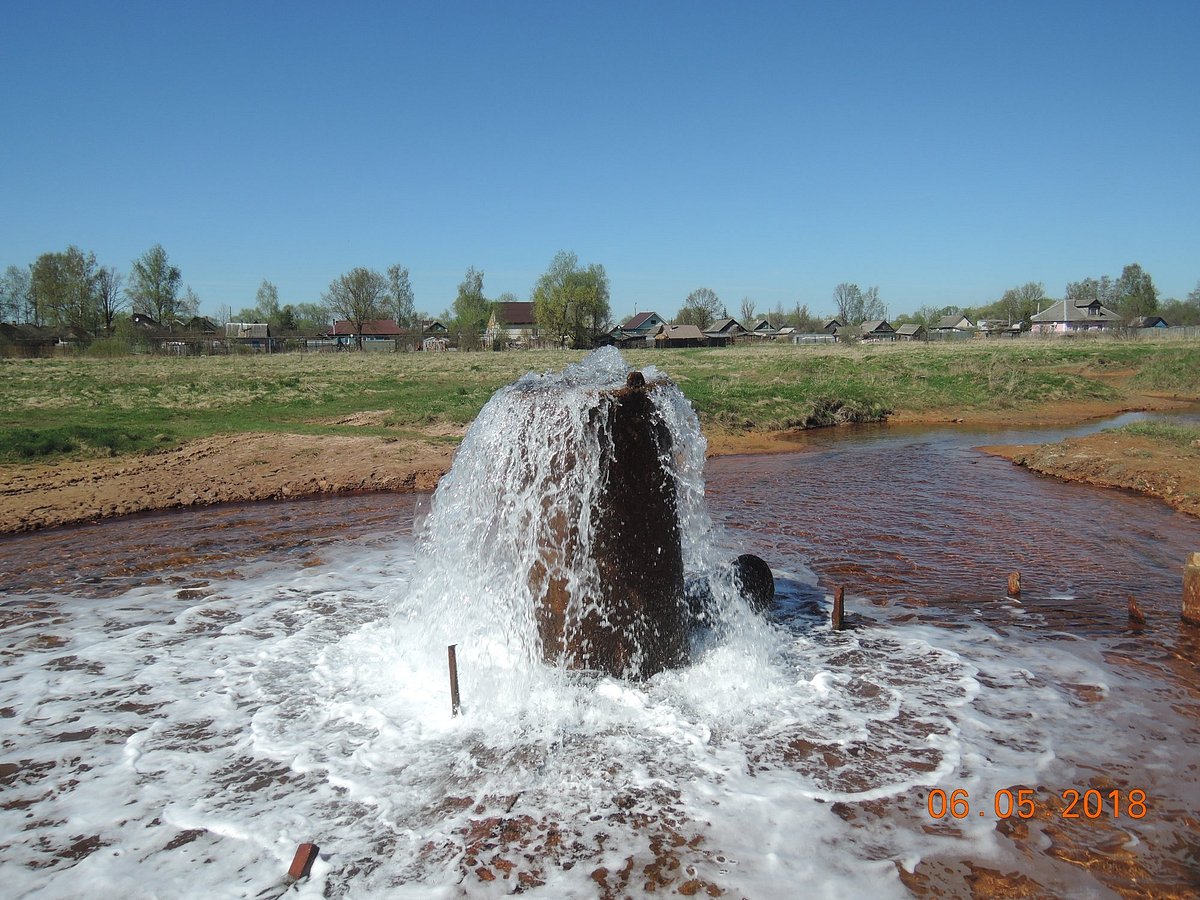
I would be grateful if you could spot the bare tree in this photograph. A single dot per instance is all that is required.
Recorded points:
(873, 307)
(402, 295)
(747, 311)
(699, 309)
(848, 299)
(14, 294)
(357, 297)
(110, 296)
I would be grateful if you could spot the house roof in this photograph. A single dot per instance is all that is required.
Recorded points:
(762, 325)
(724, 325)
(515, 313)
(910, 328)
(836, 323)
(1068, 311)
(640, 320)
(680, 333)
(376, 327)
(1147, 322)
(955, 322)
(201, 323)
(143, 320)
(876, 325)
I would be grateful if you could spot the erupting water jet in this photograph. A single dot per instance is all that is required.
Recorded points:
(564, 528)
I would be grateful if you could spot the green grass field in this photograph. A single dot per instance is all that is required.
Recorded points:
(78, 406)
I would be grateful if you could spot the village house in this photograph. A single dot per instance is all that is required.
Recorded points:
(637, 331)
(877, 330)
(377, 334)
(832, 326)
(1074, 316)
(1148, 322)
(723, 332)
(912, 331)
(953, 326)
(512, 323)
(762, 328)
(679, 336)
(646, 323)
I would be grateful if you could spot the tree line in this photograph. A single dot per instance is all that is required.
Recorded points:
(571, 301)
(69, 289)
(1131, 294)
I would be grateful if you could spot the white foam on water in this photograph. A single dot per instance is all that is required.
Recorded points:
(164, 747)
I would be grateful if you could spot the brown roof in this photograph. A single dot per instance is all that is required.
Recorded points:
(639, 320)
(725, 325)
(381, 327)
(681, 333)
(516, 313)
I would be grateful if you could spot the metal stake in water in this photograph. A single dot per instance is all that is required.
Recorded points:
(454, 704)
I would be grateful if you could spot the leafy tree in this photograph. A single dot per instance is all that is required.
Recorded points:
(571, 302)
(15, 298)
(63, 287)
(1181, 312)
(358, 297)
(266, 303)
(471, 309)
(747, 310)
(310, 316)
(1019, 303)
(1192, 297)
(402, 296)
(699, 309)
(873, 306)
(110, 296)
(855, 306)
(154, 285)
(1135, 292)
(804, 321)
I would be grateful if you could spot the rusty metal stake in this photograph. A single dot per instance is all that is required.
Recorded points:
(1191, 590)
(1014, 584)
(1136, 616)
(454, 704)
(839, 608)
(302, 862)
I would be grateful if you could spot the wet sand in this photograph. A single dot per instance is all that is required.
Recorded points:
(272, 466)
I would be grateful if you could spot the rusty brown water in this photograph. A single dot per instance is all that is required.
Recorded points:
(920, 529)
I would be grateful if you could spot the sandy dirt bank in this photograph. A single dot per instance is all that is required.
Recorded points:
(218, 469)
(1112, 459)
(271, 466)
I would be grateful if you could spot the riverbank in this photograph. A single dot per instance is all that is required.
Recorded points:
(1148, 463)
(82, 440)
(239, 468)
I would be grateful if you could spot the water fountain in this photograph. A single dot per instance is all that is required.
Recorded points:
(565, 510)
(181, 729)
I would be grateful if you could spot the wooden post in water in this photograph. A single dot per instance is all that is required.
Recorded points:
(839, 609)
(453, 680)
(1191, 590)
(1014, 584)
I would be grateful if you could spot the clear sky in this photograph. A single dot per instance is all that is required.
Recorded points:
(944, 151)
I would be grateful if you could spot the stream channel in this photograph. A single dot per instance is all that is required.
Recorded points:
(185, 697)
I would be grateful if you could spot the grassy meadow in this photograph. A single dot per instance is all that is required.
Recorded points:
(85, 406)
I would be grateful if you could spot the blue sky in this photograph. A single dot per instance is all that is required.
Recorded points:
(943, 151)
